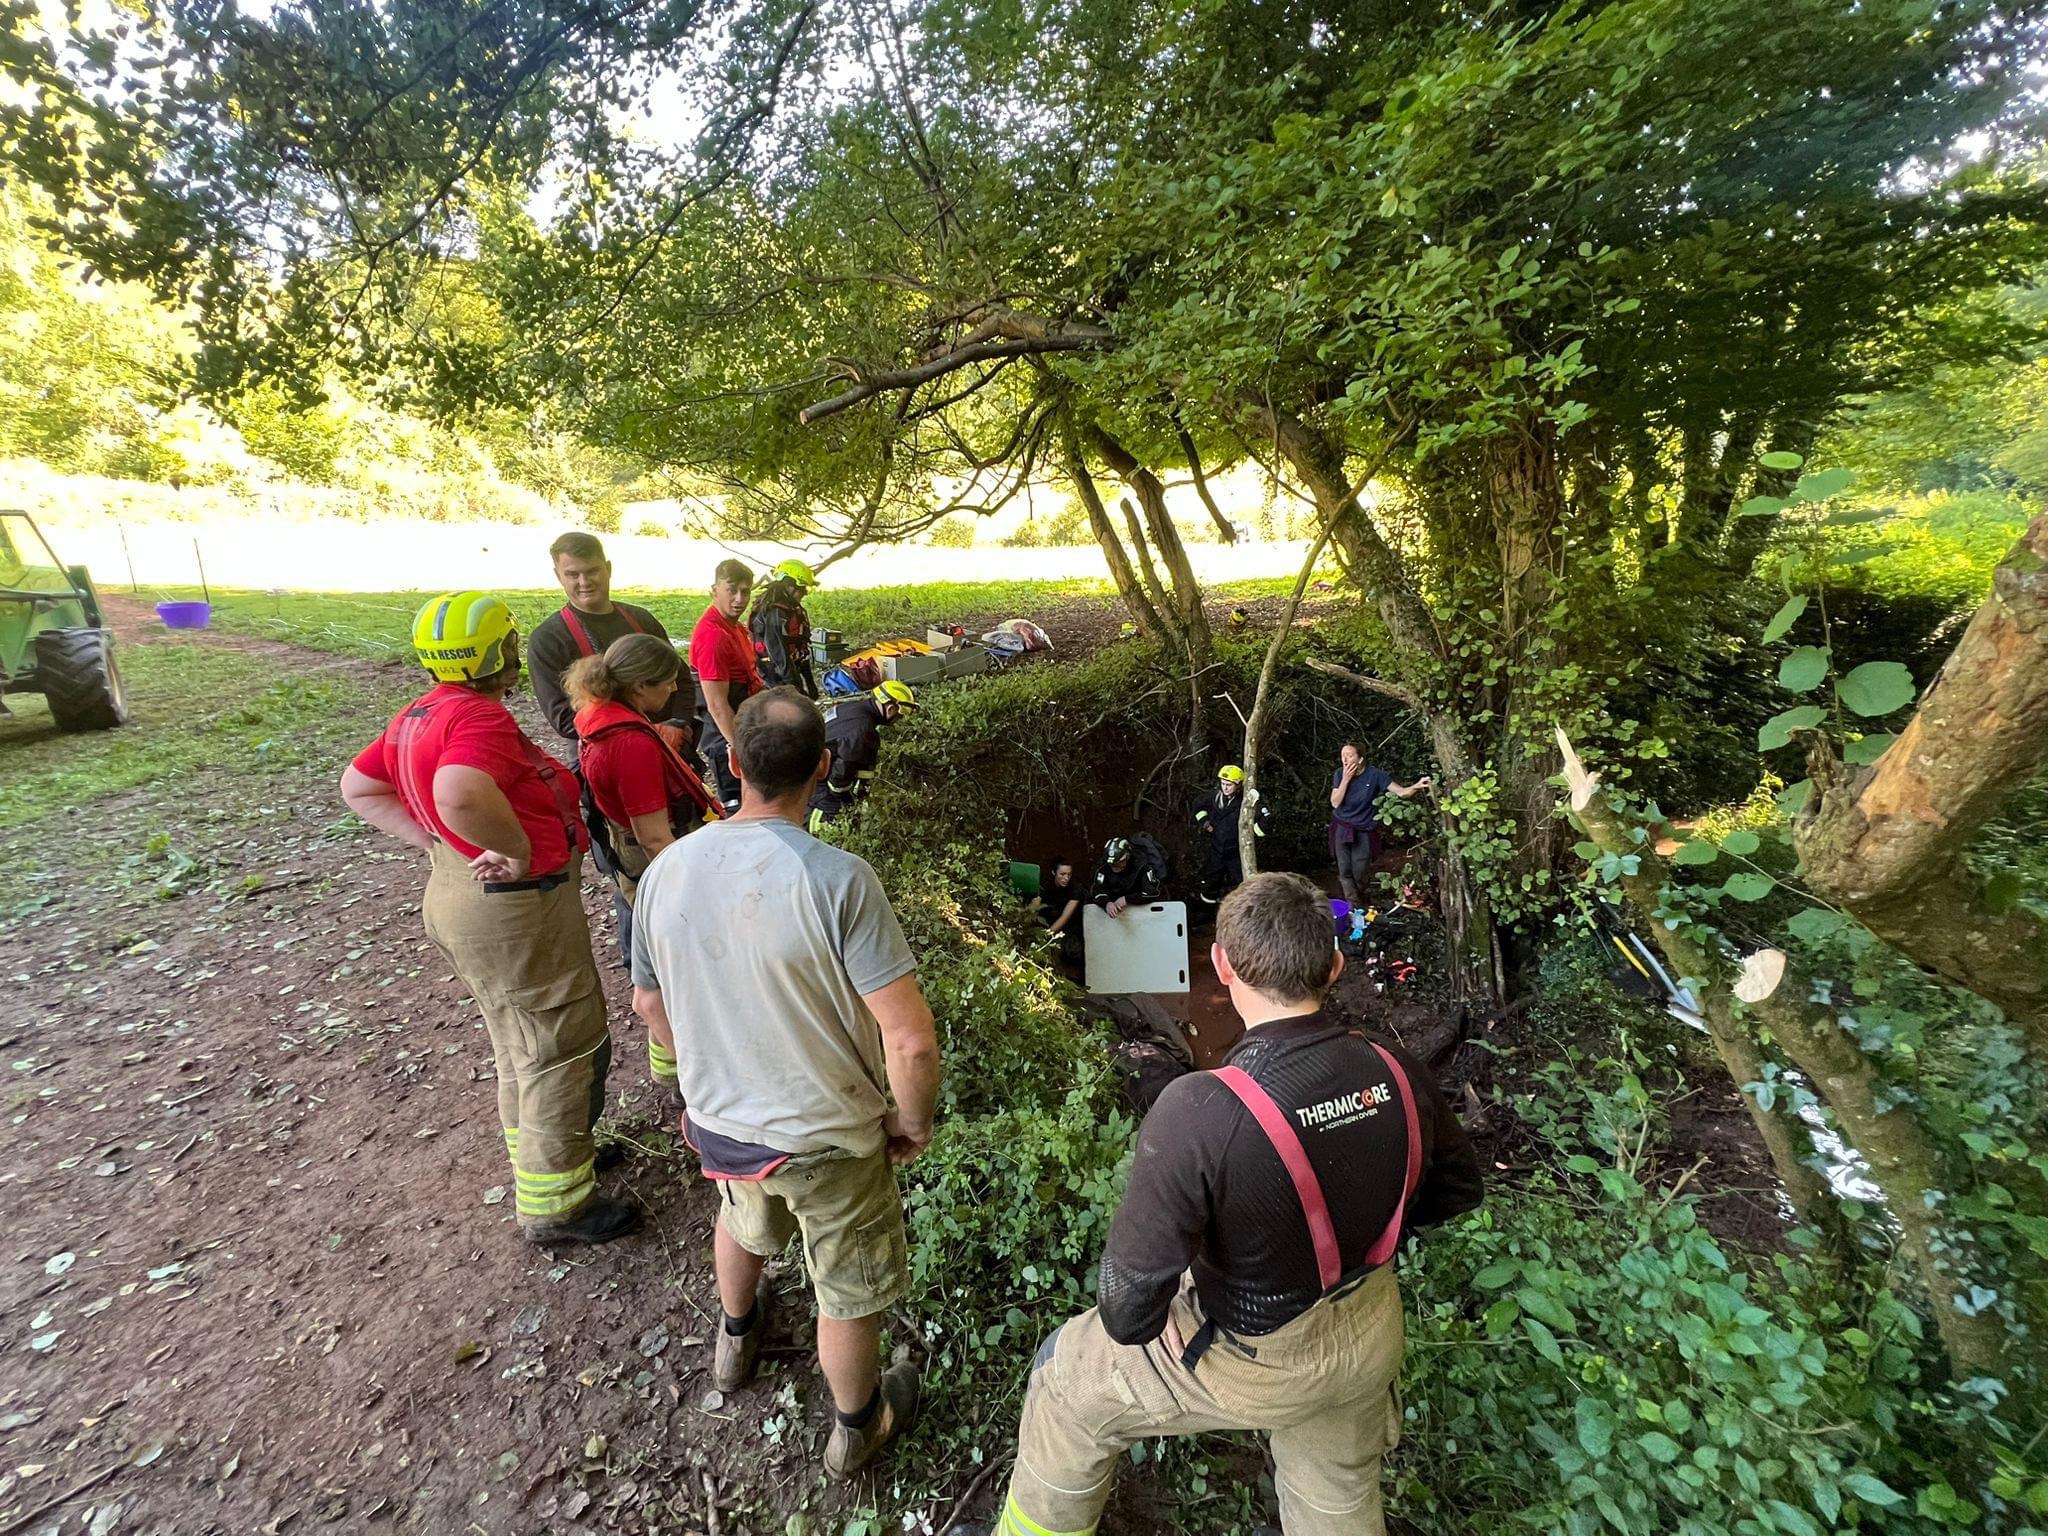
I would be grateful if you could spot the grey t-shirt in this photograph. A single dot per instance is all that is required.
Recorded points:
(762, 941)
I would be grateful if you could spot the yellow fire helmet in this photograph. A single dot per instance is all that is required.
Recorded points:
(798, 572)
(1230, 773)
(464, 636)
(893, 692)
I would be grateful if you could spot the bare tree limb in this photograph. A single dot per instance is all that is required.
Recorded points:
(1194, 457)
(1262, 700)
(1006, 335)
(1378, 685)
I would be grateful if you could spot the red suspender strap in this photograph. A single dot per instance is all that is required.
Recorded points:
(1273, 1121)
(1308, 1189)
(1383, 1249)
(573, 622)
(693, 783)
(584, 644)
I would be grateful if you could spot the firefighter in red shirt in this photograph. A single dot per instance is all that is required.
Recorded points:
(722, 655)
(455, 775)
(647, 795)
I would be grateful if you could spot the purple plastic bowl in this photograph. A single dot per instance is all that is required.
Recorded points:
(185, 615)
(1340, 911)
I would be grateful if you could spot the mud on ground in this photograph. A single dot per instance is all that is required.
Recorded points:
(260, 1270)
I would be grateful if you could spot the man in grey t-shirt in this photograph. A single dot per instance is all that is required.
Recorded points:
(776, 961)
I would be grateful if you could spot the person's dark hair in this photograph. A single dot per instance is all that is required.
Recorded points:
(737, 572)
(626, 663)
(778, 736)
(583, 546)
(1277, 933)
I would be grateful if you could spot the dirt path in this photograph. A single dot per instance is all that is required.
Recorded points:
(257, 1216)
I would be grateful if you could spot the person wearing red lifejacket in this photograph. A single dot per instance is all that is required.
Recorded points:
(1247, 1282)
(722, 652)
(453, 774)
(585, 625)
(642, 787)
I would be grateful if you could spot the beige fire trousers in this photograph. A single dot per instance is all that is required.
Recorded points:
(1322, 1388)
(525, 957)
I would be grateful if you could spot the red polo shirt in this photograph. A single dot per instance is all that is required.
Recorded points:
(722, 651)
(456, 727)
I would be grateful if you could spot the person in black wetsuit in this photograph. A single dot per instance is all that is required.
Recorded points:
(854, 737)
(1131, 869)
(1218, 816)
(1247, 1282)
(781, 627)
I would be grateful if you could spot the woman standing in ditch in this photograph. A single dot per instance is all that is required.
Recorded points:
(646, 793)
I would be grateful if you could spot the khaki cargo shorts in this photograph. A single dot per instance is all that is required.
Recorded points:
(851, 1216)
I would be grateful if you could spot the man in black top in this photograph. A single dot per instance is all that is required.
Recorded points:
(1222, 1305)
(584, 626)
(556, 642)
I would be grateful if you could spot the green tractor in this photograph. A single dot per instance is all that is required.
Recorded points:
(53, 640)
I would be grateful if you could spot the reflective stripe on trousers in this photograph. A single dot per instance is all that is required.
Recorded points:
(525, 957)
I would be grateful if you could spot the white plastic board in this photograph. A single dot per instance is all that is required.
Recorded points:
(1145, 950)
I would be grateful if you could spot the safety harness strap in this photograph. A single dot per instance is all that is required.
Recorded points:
(693, 783)
(1308, 1189)
(584, 644)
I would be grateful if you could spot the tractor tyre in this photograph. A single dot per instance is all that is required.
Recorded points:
(80, 679)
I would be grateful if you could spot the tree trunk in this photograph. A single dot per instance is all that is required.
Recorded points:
(1193, 456)
(1181, 592)
(1903, 1161)
(1888, 842)
(1262, 697)
(1162, 596)
(1374, 563)
(1143, 614)
(1525, 496)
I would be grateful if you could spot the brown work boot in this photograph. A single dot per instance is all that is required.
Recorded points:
(599, 1219)
(732, 1361)
(851, 1449)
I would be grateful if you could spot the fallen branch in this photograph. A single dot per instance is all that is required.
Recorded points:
(1902, 1159)
(960, 1504)
(1889, 843)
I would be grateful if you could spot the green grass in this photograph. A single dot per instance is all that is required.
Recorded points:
(195, 706)
(378, 625)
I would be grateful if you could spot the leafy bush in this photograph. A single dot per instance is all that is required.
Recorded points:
(1009, 1206)
(956, 532)
(1585, 1357)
